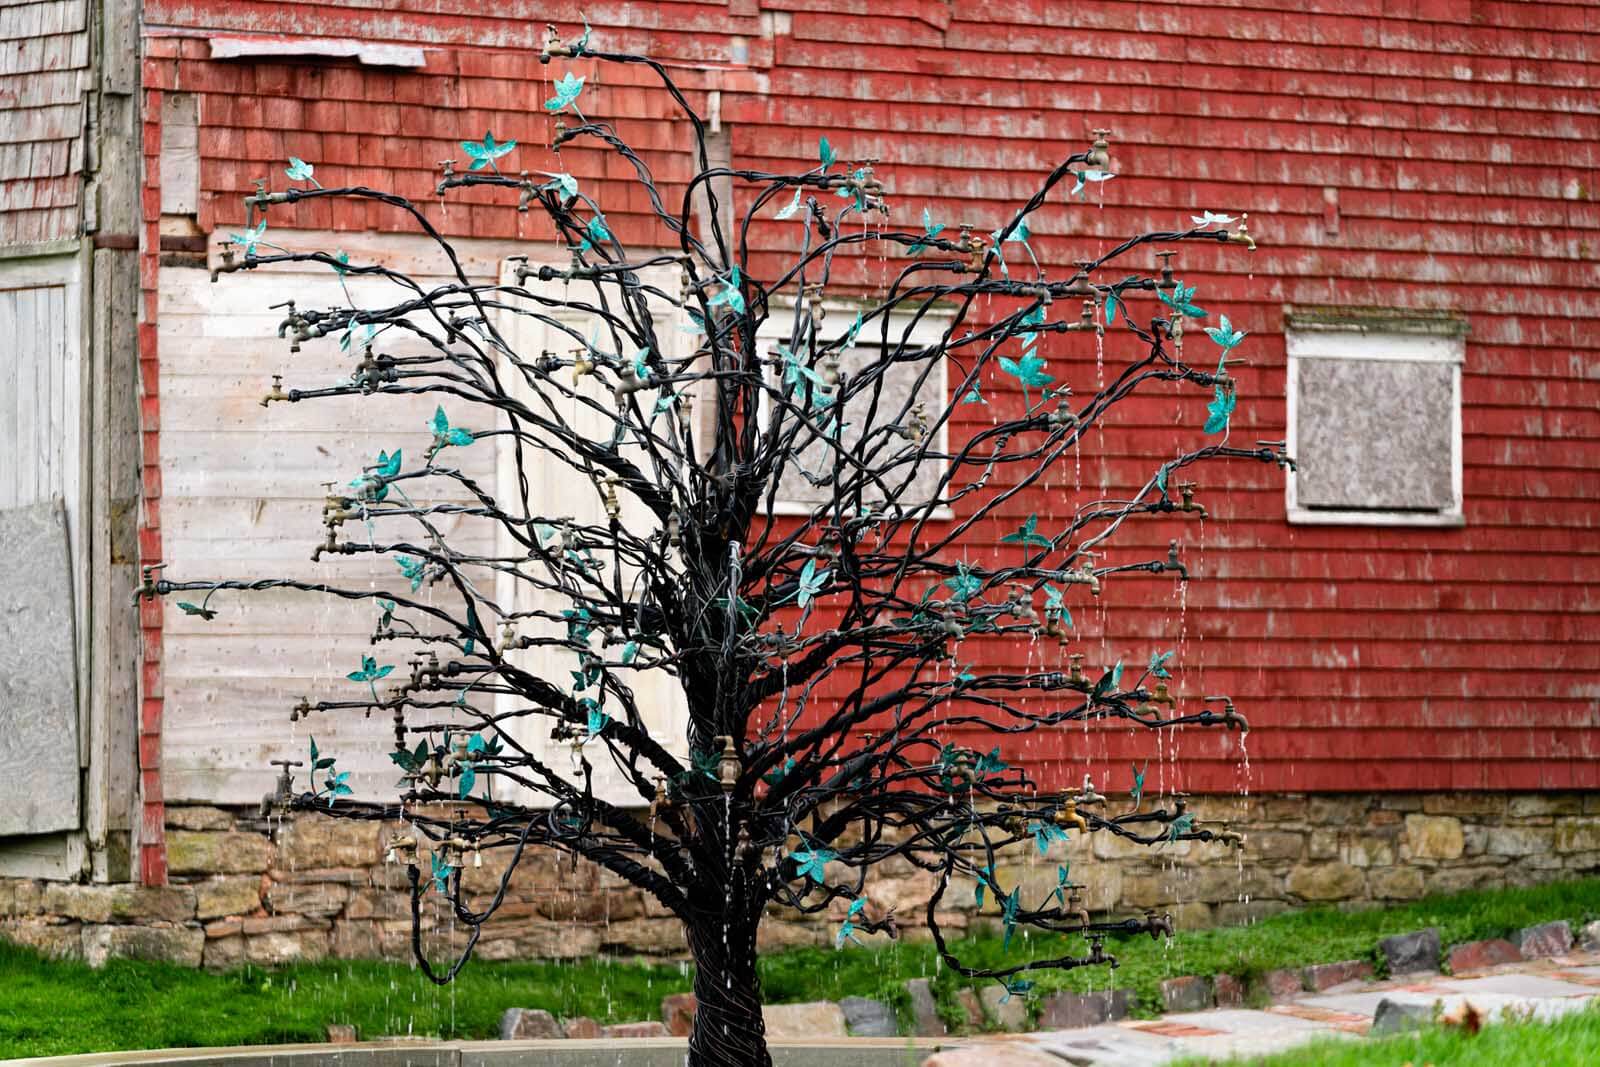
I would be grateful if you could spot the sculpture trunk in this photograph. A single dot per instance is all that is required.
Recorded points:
(728, 1029)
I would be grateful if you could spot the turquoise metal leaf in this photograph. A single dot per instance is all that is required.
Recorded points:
(195, 609)
(1060, 891)
(444, 434)
(1211, 219)
(484, 153)
(1108, 681)
(963, 585)
(1161, 480)
(370, 671)
(1183, 824)
(985, 875)
(1029, 370)
(562, 181)
(388, 465)
(1180, 299)
(825, 153)
(813, 863)
(974, 396)
(1016, 985)
(1026, 536)
(1158, 662)
(469, 778)
(1083, 177)
(1008, 916)
(250, 238)
(1044, 833)
(441, 873)
(597, 720)
(930, 230)
(301, 171)
(1225, 335)
(1219, 411)
(990, 763)
(567, 90)
(595, 233)
(413, 569)
(1112, 301)
(778, 774)
(1137, 792)
(582, 42)
(811, 582)
(1052, 598)
(790, 208)
(729, 294)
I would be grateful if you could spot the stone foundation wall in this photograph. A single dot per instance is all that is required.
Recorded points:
(268, 892)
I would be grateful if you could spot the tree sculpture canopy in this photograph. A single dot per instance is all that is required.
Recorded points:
(826, 663)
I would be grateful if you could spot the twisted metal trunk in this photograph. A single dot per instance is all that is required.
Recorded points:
(728, 1029)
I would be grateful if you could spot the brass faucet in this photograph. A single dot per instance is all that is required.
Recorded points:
(1231, 719)
(1186, 493)
(279, 797)
(1157, 924)
(1100, 154)
(1076, 678)
(277, 392)
(1239, 236)
(1167, 280)
(1086, 320)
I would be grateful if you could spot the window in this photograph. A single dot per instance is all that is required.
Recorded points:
(1374, 416)
(798, 495)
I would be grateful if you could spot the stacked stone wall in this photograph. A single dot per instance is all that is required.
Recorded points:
(275, 891)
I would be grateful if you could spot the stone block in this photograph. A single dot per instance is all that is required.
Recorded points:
(1589, 936)
(649, 936)
(775, 934)
(217, 852)
(319, 899)
(315, 841)
(378, 903)
(279, 924)
(1578, 835)
(1190, 993)
(528, 1024)
(815, 1020)
(1453, 879)
(1395, 883)
(971, 1008)
(224, 928)
(582, 1028)
(118, 903)
(1412, 953)
(197, 817)
(19, 897)
(1368, 850)
(677, 1013)
(650, 1028)
(356, 940)
(235, 895)
(183, 945)
(223, 953)
(1546, 939)
(1283, 984)
(1320, 976)
(1434, 837)
(341, 1034)
(1275, 845)
(278, 948)
(1522, 807)
(1011, 1054)
(865, 1017)
(924, 1009)
(1326, 881)
(1470, 805)
(1393, 1017)
(1009, 1013)
(1519, 841)
(1322, 845)
(1071, 1011)
(56, 940)
(1230, 991)
(1479, 955)
(1335, 809)
(351, 876)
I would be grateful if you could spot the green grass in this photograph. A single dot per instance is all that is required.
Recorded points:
(1572, 1041)
(50, 1007)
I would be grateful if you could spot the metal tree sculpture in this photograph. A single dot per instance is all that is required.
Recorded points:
(816, 656)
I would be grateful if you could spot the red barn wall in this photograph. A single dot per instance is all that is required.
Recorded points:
(1411, 154)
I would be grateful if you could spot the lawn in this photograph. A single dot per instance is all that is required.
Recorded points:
(53, 1007)
(1572, 1041)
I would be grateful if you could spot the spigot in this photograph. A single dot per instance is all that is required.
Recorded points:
(1239, 236)
(1168, 281)
(1067, 815)
(1276, 452)
(279, 797)
(403, 846)
(1075, 908)
(1175, 564)
(1157, 924)
(581, 364)
(1078, 284)
(1086, 320)
(1231, 719)
(277, 392)
(1163, 697)
(662, 801)
(1076, 678)
(1186, 493)
(300, 711)
(608, 497)
(150, 588)
(1231, 838)
(1099, 153)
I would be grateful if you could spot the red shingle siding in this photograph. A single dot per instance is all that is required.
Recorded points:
(44, 60)
(1427, 155)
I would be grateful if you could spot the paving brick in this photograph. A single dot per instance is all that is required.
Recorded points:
(1479, 955)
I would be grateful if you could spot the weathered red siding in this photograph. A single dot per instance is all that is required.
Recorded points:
(1400, 153)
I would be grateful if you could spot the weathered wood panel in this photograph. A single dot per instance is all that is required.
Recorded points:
(43, 75)
(241, 498)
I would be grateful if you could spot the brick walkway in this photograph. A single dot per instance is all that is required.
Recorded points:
(1542, 989)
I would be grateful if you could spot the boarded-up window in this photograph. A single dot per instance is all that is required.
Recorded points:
(1374, 407)
(911, 390)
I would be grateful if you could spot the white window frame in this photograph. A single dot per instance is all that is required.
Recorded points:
(928, 330)
(1361, 334)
